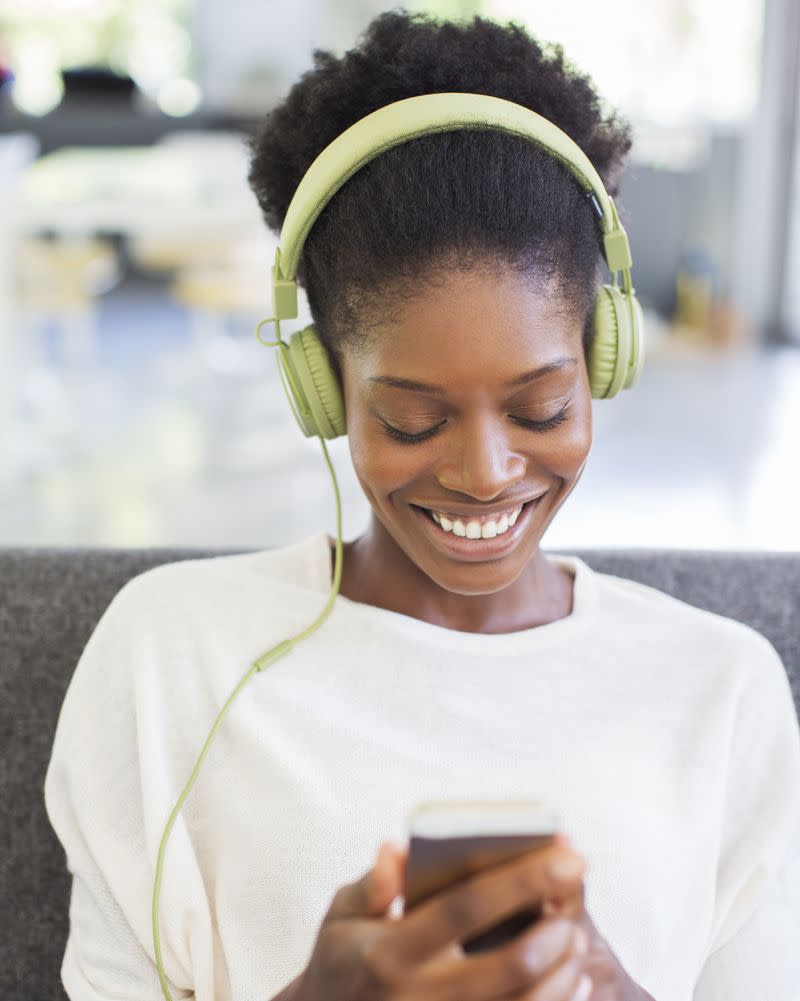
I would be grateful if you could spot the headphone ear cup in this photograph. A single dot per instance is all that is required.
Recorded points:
(638, 342)
(312, 385)
(326, 400)
(617, 353)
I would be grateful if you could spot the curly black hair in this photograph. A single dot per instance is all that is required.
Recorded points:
(446, 200)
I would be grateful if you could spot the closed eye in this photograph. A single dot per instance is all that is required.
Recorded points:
(415, 439)
(548, 425)
(411, 439)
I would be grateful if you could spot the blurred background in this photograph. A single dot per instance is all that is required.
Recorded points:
(137, 408)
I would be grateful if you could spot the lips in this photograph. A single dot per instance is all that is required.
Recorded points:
(474, 550)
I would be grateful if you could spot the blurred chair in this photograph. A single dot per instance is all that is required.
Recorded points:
(228, 142)
(168, 252)
(218, 294)
(58, 281)
(88, 87)
(220, 275)
(225, 284)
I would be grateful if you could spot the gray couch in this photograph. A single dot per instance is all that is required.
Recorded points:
(51, 600)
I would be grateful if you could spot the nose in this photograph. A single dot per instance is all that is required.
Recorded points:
(482, 462)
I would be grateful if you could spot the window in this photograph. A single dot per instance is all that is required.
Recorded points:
(670, 63)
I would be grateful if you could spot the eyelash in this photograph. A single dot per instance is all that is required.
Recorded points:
(416, 439)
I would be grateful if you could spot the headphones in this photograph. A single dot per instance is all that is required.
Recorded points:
(311, 385)
(314, 393)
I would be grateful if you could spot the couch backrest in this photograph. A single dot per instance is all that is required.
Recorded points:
(50, 601)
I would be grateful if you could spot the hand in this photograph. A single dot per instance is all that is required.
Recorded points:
(610, 981)
(362, 954)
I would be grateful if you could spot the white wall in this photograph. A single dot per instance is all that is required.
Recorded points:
(791, 300)
(761, 197)
(790, 304)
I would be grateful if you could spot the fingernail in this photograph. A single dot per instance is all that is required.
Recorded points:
(565, 866)
(554, 937)
(584, 989)
(581, 941)
(561, 931)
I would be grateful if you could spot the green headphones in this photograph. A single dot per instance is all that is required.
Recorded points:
(310, 382)
(311, 385)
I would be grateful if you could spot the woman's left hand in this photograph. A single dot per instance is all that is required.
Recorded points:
(610, 981)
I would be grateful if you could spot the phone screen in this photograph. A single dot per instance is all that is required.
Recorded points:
(449, 842)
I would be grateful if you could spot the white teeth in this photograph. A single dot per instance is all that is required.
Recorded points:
(474, 529)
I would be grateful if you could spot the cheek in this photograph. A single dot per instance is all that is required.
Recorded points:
(570, 449)
(381, 464)
(578, 440)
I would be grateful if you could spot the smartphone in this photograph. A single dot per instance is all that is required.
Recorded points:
(451, 840)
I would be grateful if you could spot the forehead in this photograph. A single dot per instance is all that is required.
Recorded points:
(482, 324)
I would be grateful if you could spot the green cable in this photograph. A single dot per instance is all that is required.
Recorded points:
(269, 657)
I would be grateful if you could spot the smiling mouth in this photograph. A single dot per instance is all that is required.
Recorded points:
(486, 527)
(477, 534)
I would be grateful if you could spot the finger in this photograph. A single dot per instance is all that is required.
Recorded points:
(481, 901)
(570, 903)
(564, 980)
(567, 982)
(371, 895)
(508, 971)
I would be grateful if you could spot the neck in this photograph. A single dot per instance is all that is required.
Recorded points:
(376, 571)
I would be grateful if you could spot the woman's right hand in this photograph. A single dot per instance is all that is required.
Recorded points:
(362, 954)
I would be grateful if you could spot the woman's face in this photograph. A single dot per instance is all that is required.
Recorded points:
(472, 345)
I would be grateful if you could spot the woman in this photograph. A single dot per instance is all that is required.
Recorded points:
(459, 662)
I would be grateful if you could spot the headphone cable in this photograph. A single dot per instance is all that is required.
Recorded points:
(267, 658)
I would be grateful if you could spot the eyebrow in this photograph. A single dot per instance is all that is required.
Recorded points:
(426, 387)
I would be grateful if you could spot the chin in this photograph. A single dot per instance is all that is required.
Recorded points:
(476, 578)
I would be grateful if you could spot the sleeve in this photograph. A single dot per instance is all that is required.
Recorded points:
(93, 799)
(754, 952)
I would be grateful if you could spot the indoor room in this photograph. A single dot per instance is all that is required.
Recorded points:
(399, 492)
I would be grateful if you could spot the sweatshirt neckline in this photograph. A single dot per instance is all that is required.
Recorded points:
(583, 603)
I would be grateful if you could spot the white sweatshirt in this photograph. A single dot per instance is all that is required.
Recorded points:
(665, 737)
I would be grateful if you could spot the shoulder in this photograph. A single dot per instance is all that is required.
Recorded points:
(644, 614)
(200, 615)
(296, 566)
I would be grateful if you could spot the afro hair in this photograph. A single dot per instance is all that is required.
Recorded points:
(452, 199)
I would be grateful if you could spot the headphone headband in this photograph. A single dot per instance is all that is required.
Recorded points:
(407, 119)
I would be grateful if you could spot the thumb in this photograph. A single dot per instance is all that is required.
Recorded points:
(372, 895)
